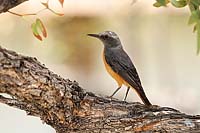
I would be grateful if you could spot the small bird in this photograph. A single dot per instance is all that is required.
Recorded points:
(119, 65)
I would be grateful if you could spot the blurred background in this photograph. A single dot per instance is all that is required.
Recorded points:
(158, 40)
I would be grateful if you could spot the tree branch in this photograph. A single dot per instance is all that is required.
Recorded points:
(5, 5)
(65, 106)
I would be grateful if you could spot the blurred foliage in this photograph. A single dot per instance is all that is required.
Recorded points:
(194, 17)
(38, 27)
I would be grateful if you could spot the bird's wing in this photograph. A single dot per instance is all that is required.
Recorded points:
(122, 65)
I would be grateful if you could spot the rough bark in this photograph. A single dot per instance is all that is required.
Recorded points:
(5, 5)
(66, 107)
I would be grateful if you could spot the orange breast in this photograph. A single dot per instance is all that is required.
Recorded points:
(116, 76)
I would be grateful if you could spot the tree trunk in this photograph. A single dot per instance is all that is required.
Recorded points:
(67, 107)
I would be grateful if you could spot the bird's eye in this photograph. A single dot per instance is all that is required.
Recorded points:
(106, 36)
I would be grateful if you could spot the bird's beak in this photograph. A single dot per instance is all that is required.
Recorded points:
(94, 35)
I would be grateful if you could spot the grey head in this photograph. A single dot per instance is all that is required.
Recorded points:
(109, 39)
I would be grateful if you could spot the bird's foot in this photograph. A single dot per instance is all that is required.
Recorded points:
(110, 97)
(124, 100)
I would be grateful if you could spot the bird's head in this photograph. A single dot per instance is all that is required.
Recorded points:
(109, 38)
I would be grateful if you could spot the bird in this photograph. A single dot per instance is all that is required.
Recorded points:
(119, 65)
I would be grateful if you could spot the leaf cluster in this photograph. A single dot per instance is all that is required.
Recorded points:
(194, 18)
(38, 27)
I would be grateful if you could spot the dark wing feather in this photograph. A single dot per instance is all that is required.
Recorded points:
(121, 63)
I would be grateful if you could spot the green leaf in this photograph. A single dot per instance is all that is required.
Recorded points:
(37, 28)
(157, 4)
(195, 2)
(162, 2)
(178, 3)
(198, 37)
(41, 27)
(195, 28)
(193, 5)
(35, 31)
(194, 17)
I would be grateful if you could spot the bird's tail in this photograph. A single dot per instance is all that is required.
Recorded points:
(143, 96)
